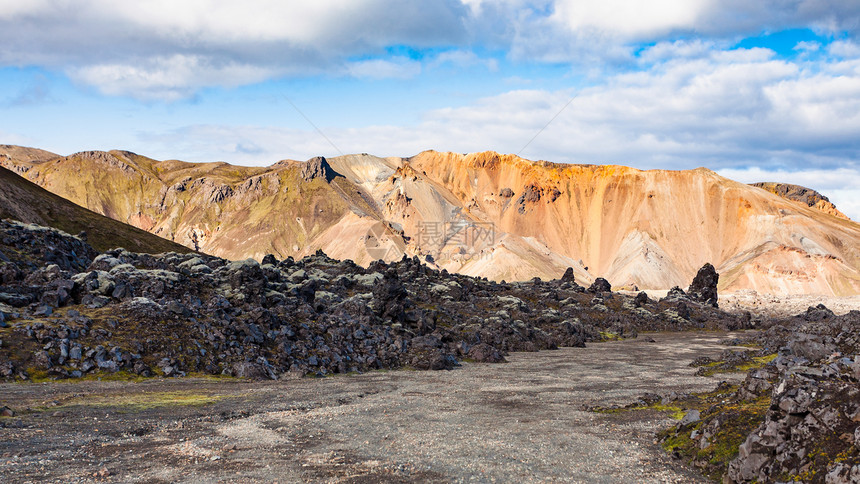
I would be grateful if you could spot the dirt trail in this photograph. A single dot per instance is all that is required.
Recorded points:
(516, 422)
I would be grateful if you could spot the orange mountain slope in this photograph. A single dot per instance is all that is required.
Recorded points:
(483, 214)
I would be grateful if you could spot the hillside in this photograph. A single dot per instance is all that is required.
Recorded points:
(24, 201)
(482, 214)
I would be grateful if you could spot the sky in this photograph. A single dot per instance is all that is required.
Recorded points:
(765, 90)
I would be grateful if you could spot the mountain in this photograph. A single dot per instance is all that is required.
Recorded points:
(24, 201)
(483, 214)
(804, 195)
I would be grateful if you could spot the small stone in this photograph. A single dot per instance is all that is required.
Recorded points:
(690, 418)
(6, 412)
(43, 310)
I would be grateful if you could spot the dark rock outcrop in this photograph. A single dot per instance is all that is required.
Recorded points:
(317, 167)
(704, 287)
(600, 285)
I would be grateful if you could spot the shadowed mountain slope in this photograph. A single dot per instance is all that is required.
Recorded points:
(22, 200)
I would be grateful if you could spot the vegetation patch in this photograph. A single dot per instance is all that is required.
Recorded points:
(142, 401)
(732, 362)
(711, 442)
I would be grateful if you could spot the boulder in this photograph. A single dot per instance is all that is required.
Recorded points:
(704, 287)
(600, 285)
(568, 275)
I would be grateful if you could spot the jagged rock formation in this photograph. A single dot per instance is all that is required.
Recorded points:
(704, 286)
(483, 214)
(66, 312)
(317, 167)
(807, 196)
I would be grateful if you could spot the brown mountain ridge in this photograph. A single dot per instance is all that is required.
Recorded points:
(484, 214)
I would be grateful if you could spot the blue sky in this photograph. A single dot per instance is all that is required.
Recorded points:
(757, 91)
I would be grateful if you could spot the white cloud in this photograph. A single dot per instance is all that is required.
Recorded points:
(128, 48)
(16, 139)
(462, 58)
(808, 47)
(394, 68)
(637, 20)
(169, 78)
(630, 19)
(844, 48)
(242, 41)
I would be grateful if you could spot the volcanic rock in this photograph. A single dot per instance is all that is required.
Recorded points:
(704, 286)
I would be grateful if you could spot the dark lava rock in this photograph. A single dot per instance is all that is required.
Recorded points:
(704, 287)
(485, 353)
(600, 285)
(568, 275)
(317, 167)
(531, 194)
(171, 314)
(797, 415)
(676, 293)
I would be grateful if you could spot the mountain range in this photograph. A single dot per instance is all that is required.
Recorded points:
(483, 214)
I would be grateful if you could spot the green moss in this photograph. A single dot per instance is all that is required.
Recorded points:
(756, 362)
(737, 421)
(38, 375)
(674, 411)
(107, 376)
(609, 336)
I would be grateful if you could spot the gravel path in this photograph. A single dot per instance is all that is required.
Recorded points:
(516, 422)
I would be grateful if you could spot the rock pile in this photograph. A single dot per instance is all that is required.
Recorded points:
(797, 418)
(811, 431)
(72, 312)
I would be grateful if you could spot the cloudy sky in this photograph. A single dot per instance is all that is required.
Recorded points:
(765, 90)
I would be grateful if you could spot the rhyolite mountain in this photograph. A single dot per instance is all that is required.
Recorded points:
(484, 214)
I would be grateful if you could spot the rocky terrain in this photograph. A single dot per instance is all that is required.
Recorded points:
(481, 214)
(522, 421)
(68, 312)
(795, 416)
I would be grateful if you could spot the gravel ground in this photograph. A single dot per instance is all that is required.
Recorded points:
(522, 421)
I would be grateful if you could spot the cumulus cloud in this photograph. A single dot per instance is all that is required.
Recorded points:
(167, 78)
(713, 111)
(124, 48)
(131, 48)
